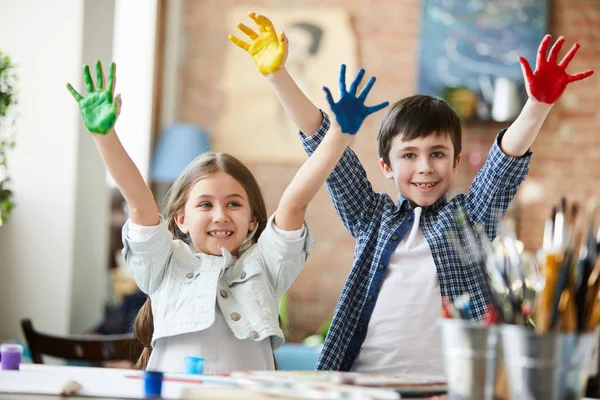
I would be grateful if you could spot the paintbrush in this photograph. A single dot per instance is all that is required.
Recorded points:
(515, 269)
(549, 231)
(568, 312)
(592, 292)
(594, 317)
(585, 266)
(495, 285)
(545, 304)
(575, 212)
(565, 272)
(448, 310)
(559, 226)
(463, 305)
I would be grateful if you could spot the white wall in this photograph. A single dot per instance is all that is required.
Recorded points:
(89, 277)
(36, 245)
(53, 249)
(133, 51)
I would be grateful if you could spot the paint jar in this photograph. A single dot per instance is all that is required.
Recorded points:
(10, 356)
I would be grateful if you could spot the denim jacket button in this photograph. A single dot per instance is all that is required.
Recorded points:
(394, 238)
(243, 275)
(235, 316)
(224, 293)
(409, 218)
(189, 275)
(254, 335)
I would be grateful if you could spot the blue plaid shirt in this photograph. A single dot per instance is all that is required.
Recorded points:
(378, 225)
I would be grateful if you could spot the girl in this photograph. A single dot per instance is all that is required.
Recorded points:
(215, 267)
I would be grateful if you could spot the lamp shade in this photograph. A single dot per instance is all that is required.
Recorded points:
(177, 146)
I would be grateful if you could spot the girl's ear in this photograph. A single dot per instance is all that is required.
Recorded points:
(180, 221)
(252, 224)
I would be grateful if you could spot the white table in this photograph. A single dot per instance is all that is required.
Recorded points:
(45, 382)
(48, 380)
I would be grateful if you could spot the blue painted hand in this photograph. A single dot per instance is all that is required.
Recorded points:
(350, 111)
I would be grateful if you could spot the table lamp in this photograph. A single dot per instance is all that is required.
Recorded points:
(177, 146)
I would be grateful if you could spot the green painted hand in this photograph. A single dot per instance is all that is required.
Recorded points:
(100, 108)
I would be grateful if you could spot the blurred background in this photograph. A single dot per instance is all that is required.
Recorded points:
(185, 86)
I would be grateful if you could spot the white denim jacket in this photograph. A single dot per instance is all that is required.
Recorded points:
(183, 285)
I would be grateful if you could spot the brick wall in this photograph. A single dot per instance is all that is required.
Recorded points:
(566, 153)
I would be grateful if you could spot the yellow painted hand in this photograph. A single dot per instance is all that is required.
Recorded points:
(267, 49)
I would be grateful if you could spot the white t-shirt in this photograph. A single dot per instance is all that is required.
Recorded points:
(222, 351)
(403, 336)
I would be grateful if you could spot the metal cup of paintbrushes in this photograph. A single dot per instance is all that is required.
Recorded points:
(549, 366)
(470, 350)
(532, 363)
(576, 359)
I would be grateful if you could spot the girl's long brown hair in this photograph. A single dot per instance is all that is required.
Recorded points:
(202, 165)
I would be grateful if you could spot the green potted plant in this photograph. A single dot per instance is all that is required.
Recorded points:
(7, 142)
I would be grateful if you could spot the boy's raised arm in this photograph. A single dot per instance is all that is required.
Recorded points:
(497, 182)
(544, 86)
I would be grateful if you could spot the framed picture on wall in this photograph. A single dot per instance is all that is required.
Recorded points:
(474, 45)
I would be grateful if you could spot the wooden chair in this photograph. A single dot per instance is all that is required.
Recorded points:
(91, 348)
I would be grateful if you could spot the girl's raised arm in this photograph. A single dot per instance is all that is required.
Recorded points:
(100, 109)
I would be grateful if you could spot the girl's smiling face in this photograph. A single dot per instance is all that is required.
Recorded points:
(217, 214)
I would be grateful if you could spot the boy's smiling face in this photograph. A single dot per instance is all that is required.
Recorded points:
(422, 168)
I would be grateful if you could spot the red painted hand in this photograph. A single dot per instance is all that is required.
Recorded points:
(550, 79)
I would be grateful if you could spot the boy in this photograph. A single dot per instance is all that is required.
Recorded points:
(404, 261)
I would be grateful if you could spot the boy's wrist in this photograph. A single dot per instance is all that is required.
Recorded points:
(538, 107)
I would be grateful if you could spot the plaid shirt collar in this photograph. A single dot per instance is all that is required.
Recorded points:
(405, 204)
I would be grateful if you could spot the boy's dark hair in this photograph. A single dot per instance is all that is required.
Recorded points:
(418, 116)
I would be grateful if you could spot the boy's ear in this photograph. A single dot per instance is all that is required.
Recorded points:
(456, 163)
(387, 171)
(180, 221)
